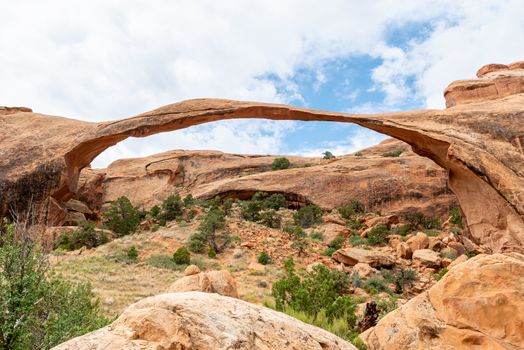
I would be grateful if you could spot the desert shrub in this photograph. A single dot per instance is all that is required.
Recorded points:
(448, 254)
(320, 298)
(84, 236)
(420, 221)
(188, 201)
(264, 258)
(211, 253)
(261, 202)
(182, 256)
(308, 216)
(337, 242)
(430, 233)
(280, 163)
(356, 240)
(354, 207)
(270, 218)
(378, 235)
(385, 305)
(211, 233)
(132, 253)
(358, 154)
(317, 236)
(329, 251)
(328, 155)
(37, 312)
(164, 261)
(470, 254)
(403, 230)
(376, 284)
(403, 278)
(299, 245)
(172, 208)
(155, 211)
(440, 274)
(395, 153)
(455, 216)
(227, 204)
(355, 223)
(122, 218)
(294, 231)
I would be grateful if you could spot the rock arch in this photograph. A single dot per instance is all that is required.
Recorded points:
(478, 141)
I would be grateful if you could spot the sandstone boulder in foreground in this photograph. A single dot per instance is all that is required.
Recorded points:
(221, 282)
(478, 304)
(195, 320)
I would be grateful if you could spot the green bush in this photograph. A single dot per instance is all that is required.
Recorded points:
(308, 216)
(403, 230)
(211, 253)
(280, 163)
(354, 207)
(441, 274)
(395, 153)
(172, 208)
(122, 218)
(328, 155)
(320, 298)
(294, 232)
(420, 221)
(264, 258)
(155, 211)
(376, 284)
(84, 236)
(337, 242)
(455, 216)
(252, 209)
(405, 277)
(164, 261)
(132, 253)
(317, 236)
(299, 245)
(37, 312)
(356, 240)
(378, 235)
(329, 251)
(211, 233)
(182, 256)
(270, 218)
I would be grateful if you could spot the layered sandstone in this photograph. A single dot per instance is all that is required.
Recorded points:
(478, 143)
(201, 321)
(478, 304)
(389, 184)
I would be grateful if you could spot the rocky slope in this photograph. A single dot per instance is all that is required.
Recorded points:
(374, 176)
(478, 141)
(478, 304)
(196, 320)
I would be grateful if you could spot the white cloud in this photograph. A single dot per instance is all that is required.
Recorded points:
(108, 59)
(472, 34)
(359, 139)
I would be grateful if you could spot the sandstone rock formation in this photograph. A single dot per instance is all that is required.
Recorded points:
(354, 256)
(479, 143)
(389, 184)
(221, 282)
(202, 321)
(478, 304)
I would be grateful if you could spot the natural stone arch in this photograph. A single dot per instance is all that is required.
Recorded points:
(479, 144)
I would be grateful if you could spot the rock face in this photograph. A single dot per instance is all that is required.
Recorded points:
(221, 282)
(478, 304)
(354, 256)
(388, 184)
(202, 321)
(478, 142)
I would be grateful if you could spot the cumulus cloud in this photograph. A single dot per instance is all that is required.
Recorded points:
(108, 59)
(357, 140)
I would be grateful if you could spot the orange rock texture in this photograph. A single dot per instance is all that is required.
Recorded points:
(389, 184)
(478, 141)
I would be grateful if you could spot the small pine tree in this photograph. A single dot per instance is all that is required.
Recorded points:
(280, 164)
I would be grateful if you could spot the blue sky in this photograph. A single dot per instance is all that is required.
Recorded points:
(104, 60)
